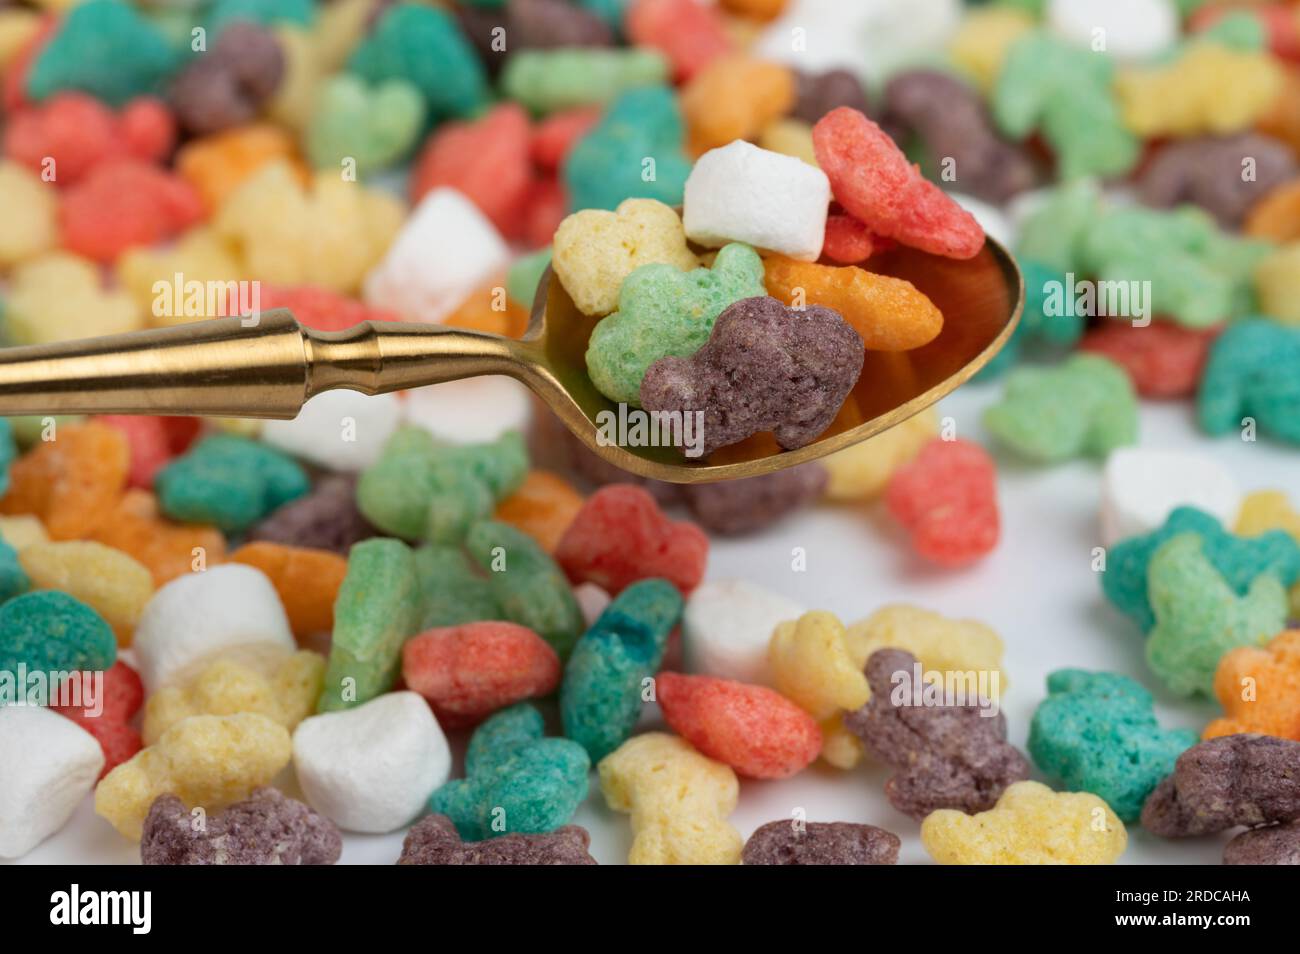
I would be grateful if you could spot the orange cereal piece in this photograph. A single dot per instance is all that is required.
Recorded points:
(735, 97)
(889, 313)
(307, 580)
(1282, 120)
(756, 9)
(217, 165)
(543, 507)
(72, 481)
(1259, 689)
(168, 549)
(491, 310)
(1277, 215)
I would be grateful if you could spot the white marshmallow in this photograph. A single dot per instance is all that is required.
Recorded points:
(727, 626)
(48, 764)
(472, 411)
(1141, 486)
(341, 430)
(992, 220)
(445, 251)
(372, 768)
(741, 193)
(1124, 29)
(199, 614)
(592, 600)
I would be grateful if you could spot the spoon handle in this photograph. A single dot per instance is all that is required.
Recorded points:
(240, 367)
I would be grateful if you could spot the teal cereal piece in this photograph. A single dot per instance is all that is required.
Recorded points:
(1252, 378)
(516, 781)
(528, 585)
(1084, 406)
(13, 578)
(612, 12)
(1042, 323)
(607, 677)
(374, 127)
(107, 49)
(664, 311)
(1199, 617)
(1238, 560)
(230, 482)
(1065, 92)
(545, 81)
(524, 276)
(51, 632)
(1054, 232)
(452, 589)
(376, 611)
(424, 47)
(611, 162)
(1097, 732)
(8, 452)
(300, 13)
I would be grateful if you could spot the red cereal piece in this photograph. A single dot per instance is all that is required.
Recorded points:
(123, 203)
(320, 308)
(108, 719)
(849, 241)
(757, 731)
(547, 207)
(876, 184)
(181, 432)
(1163, 359)
(467, 672)
(149, 445)
(947, 498)
(690, 34)
(77, 132)
(556, 134)
(620, 536)
(487, 160)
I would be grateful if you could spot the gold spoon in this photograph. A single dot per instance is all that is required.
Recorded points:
(237, 368)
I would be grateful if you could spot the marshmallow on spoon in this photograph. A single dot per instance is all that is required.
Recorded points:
(1142, 486)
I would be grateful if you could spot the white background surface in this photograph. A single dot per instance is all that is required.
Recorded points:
(1036, 589)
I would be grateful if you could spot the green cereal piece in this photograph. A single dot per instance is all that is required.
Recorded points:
(393, 493)
(106, 48)
(373, 126)
(605, 679)
(1199, 617)
(51, 632)
(1097, 732)
(265, 12)
(1054, 232)
(228, 481)
(1237, 30)
(1239, 560)
(425, 47)
(1253, 374)
(8, 451)
(30, 428)
(1065, 91)
(525, 275)
(664, 311)
(529, 586)
(516, 781)
(452, 590)
(376, 611)
(545, 81)
(13, 578)
(1084, 406)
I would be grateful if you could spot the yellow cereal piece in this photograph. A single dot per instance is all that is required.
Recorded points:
(980, 45)
(1030, 825)
(861, 472)
(59, 296)
(594, 250)
(1266, 510)
(29, 225)
(295, 98)
(273, 682)
(22, 531)
(329, 234)
(243, 426)
(149, 274)
(1209, 89)
(17, 27)
(105, 579)
(940, 644)
(339, 28)
(840, 748)
(679, 801)
(790, 137)
(208, 762)
(1277, 284)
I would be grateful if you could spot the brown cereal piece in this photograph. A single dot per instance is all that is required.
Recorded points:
(325, 519)
(734, 507)
(434, 841)
(1208, 171)
(267, 828)
(820, 843)
(1272, 845)
(227, 85)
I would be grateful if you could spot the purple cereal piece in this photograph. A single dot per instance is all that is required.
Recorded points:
(1225, 782)
(1208, 172)
(597, 471)
(227, 85)
(1273, 845)
(434, 841)
(267, 828)
(733, 507)
(552, 24)
(480, 25)
(326, 519)
(950, 119)
(946, 756)
(820, 843)
(765, 367)
(819, 93)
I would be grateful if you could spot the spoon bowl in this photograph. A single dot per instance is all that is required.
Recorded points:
(268, 366)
